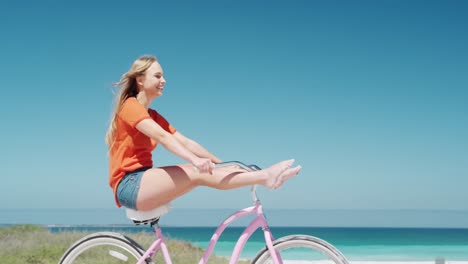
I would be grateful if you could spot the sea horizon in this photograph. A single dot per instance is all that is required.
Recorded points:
(192, 217)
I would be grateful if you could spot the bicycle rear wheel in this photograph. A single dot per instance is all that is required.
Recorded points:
(297, 248)
(103, 248)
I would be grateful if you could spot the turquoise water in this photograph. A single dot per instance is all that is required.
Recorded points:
(381, 244)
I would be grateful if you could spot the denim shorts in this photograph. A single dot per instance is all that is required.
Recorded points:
(127, 191)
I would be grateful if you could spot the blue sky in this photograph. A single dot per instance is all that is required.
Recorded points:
(368, 96)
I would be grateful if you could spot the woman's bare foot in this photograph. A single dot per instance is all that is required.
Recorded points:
(279, 173)
(290, 172)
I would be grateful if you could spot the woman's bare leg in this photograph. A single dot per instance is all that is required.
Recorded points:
(162, 185)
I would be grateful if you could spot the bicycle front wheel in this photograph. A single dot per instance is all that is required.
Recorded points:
(301, 249)
(103, 248)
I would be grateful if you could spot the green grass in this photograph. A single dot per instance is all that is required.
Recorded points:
(36, 245)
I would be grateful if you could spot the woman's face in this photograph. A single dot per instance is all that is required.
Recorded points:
(152, 82)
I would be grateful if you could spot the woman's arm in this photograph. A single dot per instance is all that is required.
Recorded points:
(156, 132)
(195, 147)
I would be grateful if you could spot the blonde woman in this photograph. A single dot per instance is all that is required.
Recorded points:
(136, 129)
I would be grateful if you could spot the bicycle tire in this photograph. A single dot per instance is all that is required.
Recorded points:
(307, 248)
(103, 247)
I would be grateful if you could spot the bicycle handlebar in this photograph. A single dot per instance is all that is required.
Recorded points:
(251, 167)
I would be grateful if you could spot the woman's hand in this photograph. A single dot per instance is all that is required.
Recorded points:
(203, 165)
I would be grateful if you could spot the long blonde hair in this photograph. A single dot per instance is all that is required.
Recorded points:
(128, 88)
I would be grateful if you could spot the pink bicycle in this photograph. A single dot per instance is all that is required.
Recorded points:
(117, 248)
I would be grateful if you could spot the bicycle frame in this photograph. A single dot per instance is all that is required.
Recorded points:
(258, 221)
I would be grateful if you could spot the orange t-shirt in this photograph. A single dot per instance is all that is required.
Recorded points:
(132, 149)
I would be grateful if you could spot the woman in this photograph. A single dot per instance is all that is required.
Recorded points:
(134, 132)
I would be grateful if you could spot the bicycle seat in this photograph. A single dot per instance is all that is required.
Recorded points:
(150, 216)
